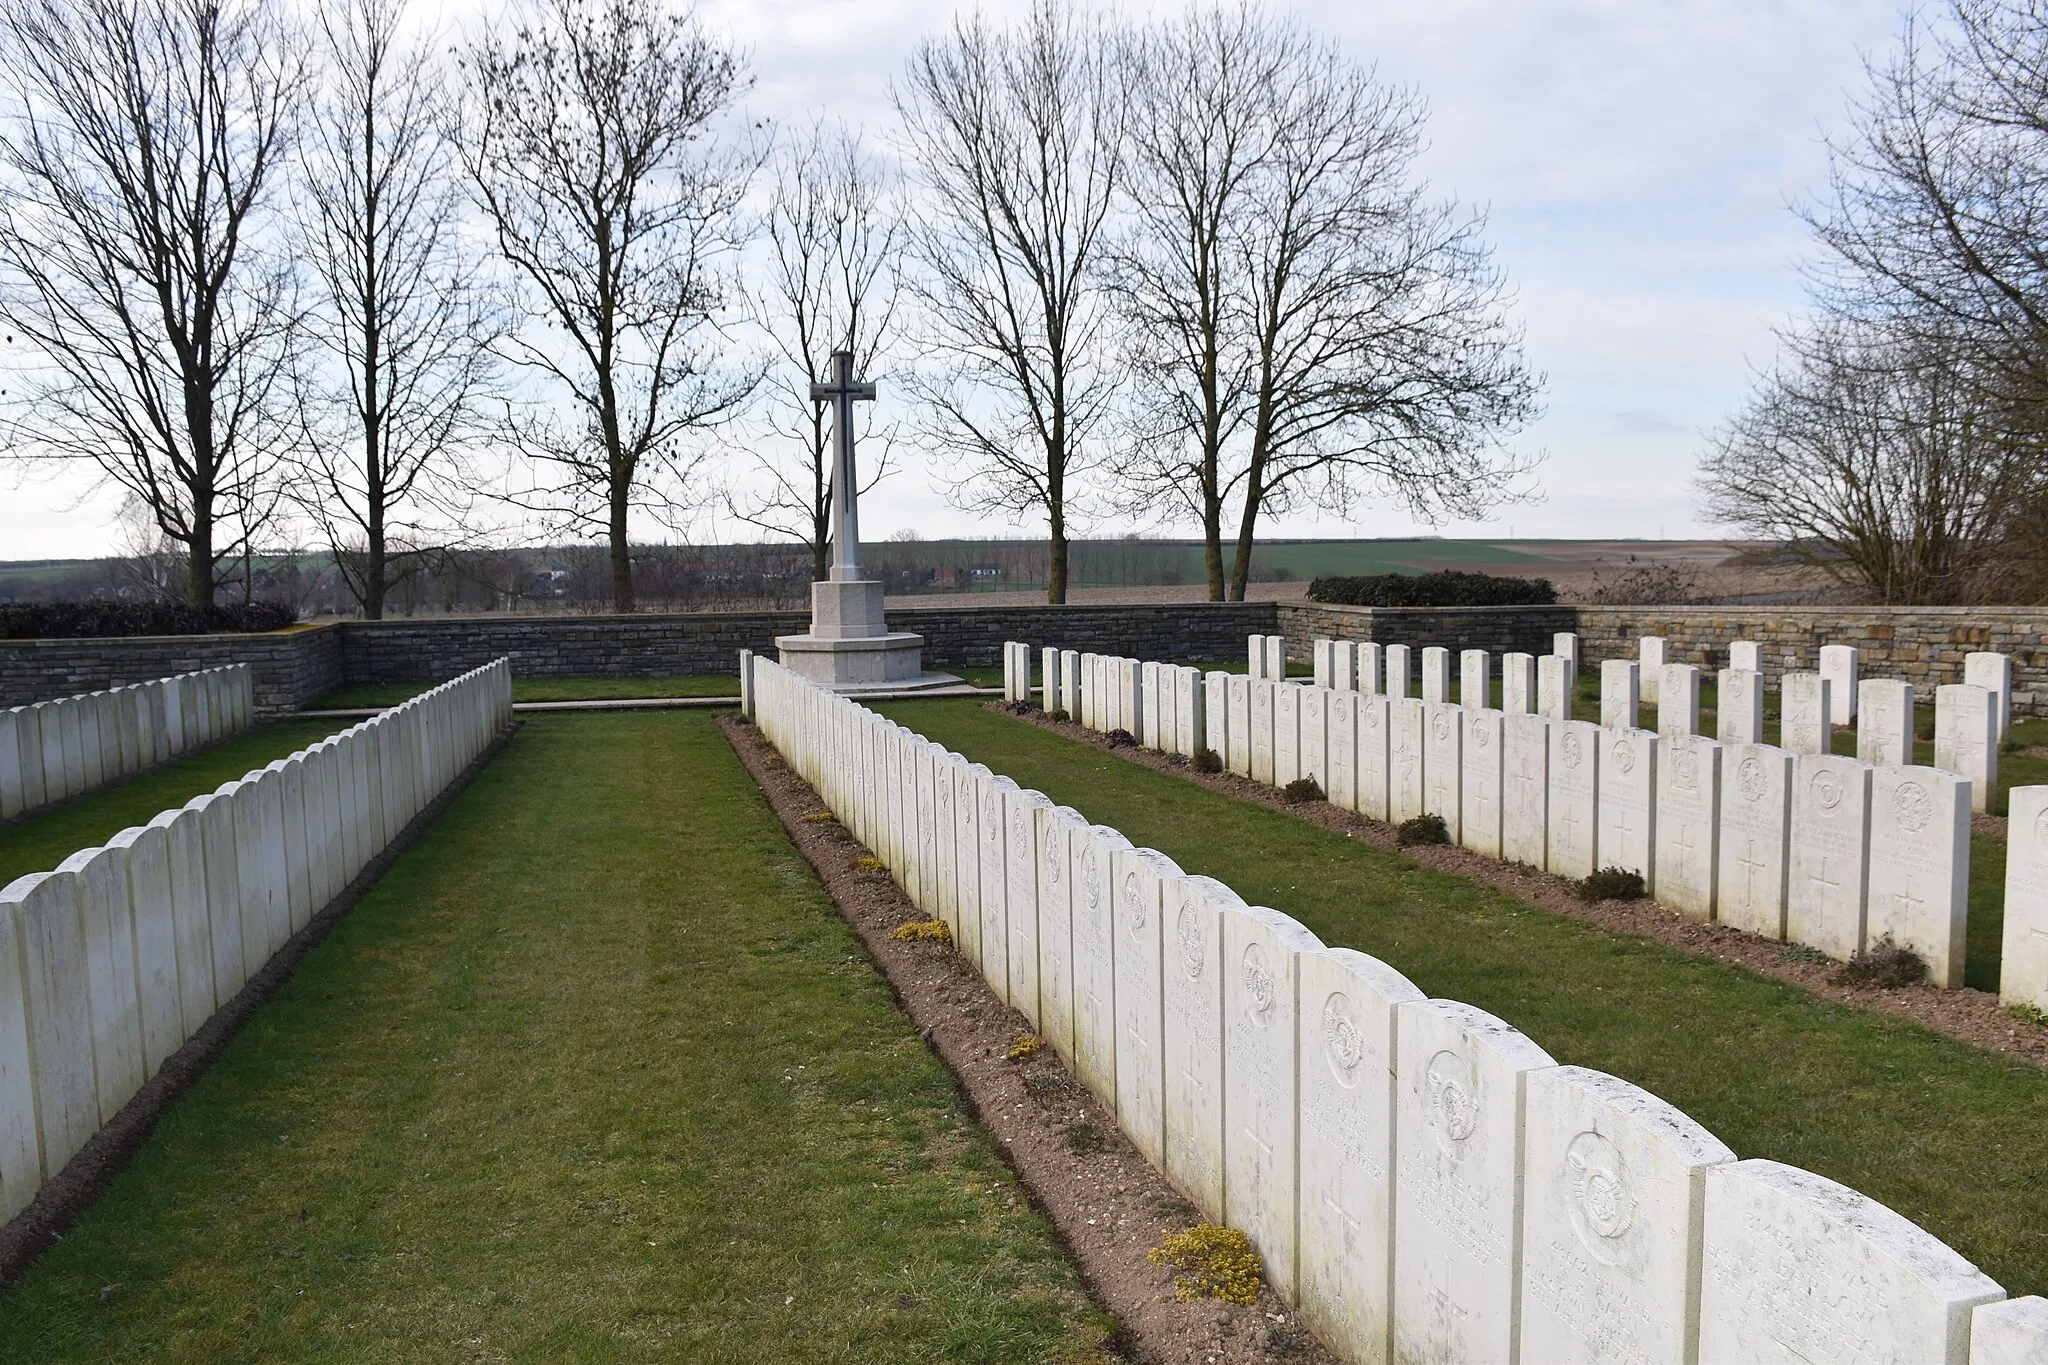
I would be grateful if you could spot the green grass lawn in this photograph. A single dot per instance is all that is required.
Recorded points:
(546, 689)
(595, 1073)
(40, 842)
(1952, 1136)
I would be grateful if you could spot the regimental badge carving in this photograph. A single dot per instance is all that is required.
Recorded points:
(1134, 905)
(1342, 1045)
(1828, 789)
(1737, 685)
(1312, 705)
(1572, 749)
(1452, 1099)
(1091, 877)
(991, 818)
(1912, 806)
(1602, 1199)
(1187, 932)
(1260, 994)
(1369, 717)
(2041, 825)
(1054, 857)
(1685, 770)
(1482, 736)
(1441, 723)
(1751, 779)
(1624, 755)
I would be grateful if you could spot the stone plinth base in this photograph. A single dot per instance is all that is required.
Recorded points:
(887, 662)
(847, 611)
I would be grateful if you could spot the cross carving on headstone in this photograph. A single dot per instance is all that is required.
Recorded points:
(1909, 904)
(1259, 1142)
(842, 391)
(1820, 879)
(1751, 865)
(1685, 849)
(1569, 822)
(1351, 1227)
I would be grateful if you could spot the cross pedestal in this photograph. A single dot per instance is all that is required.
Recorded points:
(849, 648)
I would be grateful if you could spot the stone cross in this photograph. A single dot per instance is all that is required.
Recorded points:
(842, 392)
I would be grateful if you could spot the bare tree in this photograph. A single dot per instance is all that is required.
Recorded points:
(591, 135)
(403, 331)
(835, 237)
(1016, 136)
(138, 256)
(1872, 456)
(1319, 327)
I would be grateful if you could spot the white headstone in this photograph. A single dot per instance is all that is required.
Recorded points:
(1804, 701)
(1260, 1010)
(1824, 902)
(1484, 748)
(1746, 654)
(1650, 659)
(1215, 729)
(1094, 961)
(1620, 693)
(1136, 875)
(185, 855)
(2023, 963)
(1314, 722)
(1518, 684)
(1739, 706)
(1262, 729)
(967, 881)
(59, 1019)
(1993, 673)
(1458, 1184)
(1554, 684)
(1436, 673)
(10, 767)
(1372, 668)
(1255, 656)
(1059, 831)
(1796, 1268)
(1688, 819)
(991, 826)
(1614, 1182)
(1344, 665)
(1070, 683)
(1443, 765)
(1049, 679)
(1287, 699)
(1475, 678)
(1147, 732)
(1628, 785)
(1884, 722)
(1375, 727)
(1276, 656)
(1838, 665)
(1574, 799)
(1678, 700)
(112, 1002)
(1193, 1038)
(20, 1149)
(1966, 739)
(1565, 644)
(2012, 1332)
(1397, 670)
(28, 737)
(1525, 790)
(1323, 669)
(1920, 866)
(1756, 833)
(1341, 787)
(1020, 897)
(1239, 731)
(1347, 1148)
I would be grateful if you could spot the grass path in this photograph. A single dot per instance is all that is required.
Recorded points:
(41, 841)
(1952, 1136)
(595, 1073)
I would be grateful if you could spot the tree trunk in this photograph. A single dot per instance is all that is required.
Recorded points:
(622, 553)
(1240, 571)
(199, 584)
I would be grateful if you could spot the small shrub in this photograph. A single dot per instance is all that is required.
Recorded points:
(1449, 588)
(1207, 761)
(1800, 952)
(1057, 713)
(1120, 739)
(1883, 964)
(1613, 884)
(1211, 1262)
(1020, 708)
(1423, 829)
(923, 931)
(1306, 789)
(1047, 1084)
(867, 862)
(1085, 1139)
(2027, 1013)
(820, 817)
(1025, 1048)
(1283, 1341)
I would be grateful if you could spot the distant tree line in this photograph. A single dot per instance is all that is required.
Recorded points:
(1898, 441)
(283, 273)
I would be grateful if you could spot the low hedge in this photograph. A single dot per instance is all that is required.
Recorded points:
(90, 620)
(1446, 588)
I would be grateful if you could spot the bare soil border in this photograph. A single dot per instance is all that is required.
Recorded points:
(65, 1197)
(1968, 1015)
(1105, 1201)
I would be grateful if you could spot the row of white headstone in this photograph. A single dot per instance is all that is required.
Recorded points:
(53, 750)
(1422, 1181)
(1831, 852)
(110, 962)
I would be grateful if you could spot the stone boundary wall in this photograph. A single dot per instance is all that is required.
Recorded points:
(112, 961)
(288, 668)
(1422, 1181)
(1502, 630)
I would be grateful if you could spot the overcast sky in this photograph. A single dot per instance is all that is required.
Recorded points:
(1638, 161)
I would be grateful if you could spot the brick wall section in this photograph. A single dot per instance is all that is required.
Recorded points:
(288, 668)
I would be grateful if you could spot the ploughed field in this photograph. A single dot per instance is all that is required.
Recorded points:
(595, 1072)
(1950, 1135)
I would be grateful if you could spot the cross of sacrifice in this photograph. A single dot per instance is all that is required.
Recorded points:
(842, 392)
